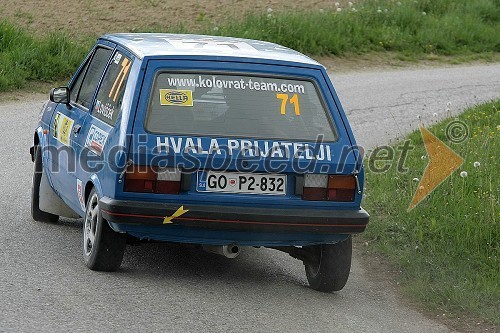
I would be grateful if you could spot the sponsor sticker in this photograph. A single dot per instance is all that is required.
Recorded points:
(62, 128)
(96, 139)
(176, 97)
(79, 191)
(105, 109)
(238, 83)
(117, 58)
(255, 148)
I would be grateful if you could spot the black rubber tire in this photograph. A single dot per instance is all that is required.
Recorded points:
(36, 213)
(106, 253)
(333, 268)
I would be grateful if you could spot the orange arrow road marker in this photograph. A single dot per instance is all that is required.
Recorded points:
(442, 162)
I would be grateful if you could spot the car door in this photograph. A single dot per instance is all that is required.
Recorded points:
(102, 124)
(67, 120)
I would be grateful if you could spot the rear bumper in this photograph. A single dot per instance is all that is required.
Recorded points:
(235, 218)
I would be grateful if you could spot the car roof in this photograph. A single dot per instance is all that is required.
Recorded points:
(161, 44)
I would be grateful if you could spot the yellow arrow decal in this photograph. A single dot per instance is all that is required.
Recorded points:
(178, 212)
(442, 162)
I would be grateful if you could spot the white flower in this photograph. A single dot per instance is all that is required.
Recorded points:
(350, 4)
(269, 15)
(354, 9)
(337, 4)
(416, 179)
(216, 28)
(386, 10)
(321, 10)
(399, 3)
(434, 114)
(339, 9)
(269, 10)
(477, 164)
(379, 10)
(463, 174)
(424, 13)
(423, 157)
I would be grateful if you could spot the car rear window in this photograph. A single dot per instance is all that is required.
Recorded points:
(238, 106)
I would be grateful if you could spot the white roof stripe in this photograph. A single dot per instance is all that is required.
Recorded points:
(157, 44)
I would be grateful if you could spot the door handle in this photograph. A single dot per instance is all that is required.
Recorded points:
(76, 129)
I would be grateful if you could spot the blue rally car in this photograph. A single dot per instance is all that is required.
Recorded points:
(221, 142)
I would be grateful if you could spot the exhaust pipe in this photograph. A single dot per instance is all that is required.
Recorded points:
(228, 251)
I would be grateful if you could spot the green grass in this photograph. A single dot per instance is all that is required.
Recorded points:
(25, 58)
(449, 245)
(411, 29)
(447, 27)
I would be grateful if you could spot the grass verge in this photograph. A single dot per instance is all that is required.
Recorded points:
(24, 57)
(449, 245)
(413, 28)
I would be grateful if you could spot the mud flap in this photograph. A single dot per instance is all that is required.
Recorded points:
(50, 202)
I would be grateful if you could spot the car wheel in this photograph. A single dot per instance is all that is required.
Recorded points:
(331, 270)
(103, 248)
(36, 213)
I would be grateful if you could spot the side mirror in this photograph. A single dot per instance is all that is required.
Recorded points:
(59, 95)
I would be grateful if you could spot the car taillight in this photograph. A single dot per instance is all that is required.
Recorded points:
(315, 187)
(329, 187)
(341, 188)
(147, 179)
(168, 181)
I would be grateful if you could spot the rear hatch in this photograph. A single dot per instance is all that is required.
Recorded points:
(241, 134)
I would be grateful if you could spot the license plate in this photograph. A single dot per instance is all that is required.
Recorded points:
(235, 182)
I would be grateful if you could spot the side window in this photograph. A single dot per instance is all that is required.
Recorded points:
(91, 80)
(78, 83)
(109, 98)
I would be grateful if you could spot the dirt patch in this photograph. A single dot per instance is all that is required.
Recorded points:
(91, 17)
(94, 18)
(34, 91)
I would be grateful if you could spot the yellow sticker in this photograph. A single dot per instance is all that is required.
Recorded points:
(176, 97)
(294, 101)
(180, 211)
(67, 125)
(63, 126)
(117, 85)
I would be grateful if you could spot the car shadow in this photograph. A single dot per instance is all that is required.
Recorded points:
(190, 261)
(153, 260)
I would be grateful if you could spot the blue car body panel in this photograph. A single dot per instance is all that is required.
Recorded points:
(128, 141)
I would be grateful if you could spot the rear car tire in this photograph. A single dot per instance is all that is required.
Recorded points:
(36, 213)
(331, 271)
(103, 248)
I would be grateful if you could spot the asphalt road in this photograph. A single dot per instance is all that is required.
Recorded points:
(44, 285)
